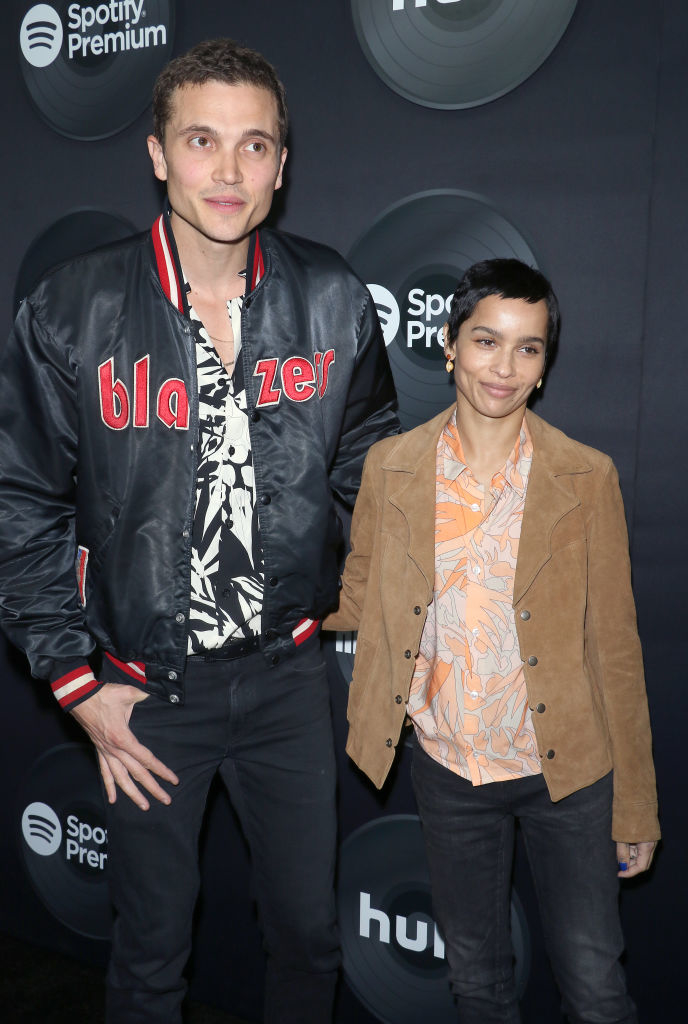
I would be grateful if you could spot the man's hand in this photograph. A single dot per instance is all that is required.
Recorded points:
(633, 858)
(105, 717)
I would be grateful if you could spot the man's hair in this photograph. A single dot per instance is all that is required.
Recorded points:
(216, 60)
(510, 279)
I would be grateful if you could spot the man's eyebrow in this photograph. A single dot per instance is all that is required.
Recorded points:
(205, 129)
(201, 129)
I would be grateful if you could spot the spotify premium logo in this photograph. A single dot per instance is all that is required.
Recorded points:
(41, 829)
(412, 258)
(90, 67)
(458, 53)
(40, 36)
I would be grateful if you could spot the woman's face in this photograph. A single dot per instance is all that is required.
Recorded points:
(499, 356)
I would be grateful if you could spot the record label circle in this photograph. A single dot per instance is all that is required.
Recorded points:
(458, 53)
(393, 954)
(63, 838)
(413, 255)
(90, 67)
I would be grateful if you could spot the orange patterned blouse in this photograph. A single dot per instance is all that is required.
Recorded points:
(468, 698)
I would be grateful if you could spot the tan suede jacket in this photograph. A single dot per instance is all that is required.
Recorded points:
(575, 615)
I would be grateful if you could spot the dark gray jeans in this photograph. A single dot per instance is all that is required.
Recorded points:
(268, 732)
(469, 836)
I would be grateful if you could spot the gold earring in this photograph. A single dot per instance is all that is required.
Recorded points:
(539, 383)
(450, 365)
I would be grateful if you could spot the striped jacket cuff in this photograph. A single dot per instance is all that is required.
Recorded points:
(73, 686)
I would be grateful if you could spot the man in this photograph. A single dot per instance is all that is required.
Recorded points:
(176, 412)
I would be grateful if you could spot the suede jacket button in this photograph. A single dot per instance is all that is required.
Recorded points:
(525, 614)
(388, 743)
(398, 698)
(540, 708)
(532, 660)
(550, 755)
(407, 654)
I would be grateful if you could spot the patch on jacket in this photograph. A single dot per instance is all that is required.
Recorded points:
(300, 379)
(117, 409)
(81, 565)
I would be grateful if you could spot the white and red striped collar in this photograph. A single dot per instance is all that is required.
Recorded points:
(169, 267)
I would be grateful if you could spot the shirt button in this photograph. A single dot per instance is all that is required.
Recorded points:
(398, 698)
(525, 614)
(550, 755)
(172, 676)
(532, 660)
(179, 617)
(255, 416)
(476, 570)
(473, 693)
(273, 581)
(265, 499)
(475, 631)
(416, 610)
(388, 743)
(475, 507)
(540, 708)
(407, 654)
(174, 699)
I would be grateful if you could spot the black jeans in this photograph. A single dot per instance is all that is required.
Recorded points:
(268, 732)
(469, 836)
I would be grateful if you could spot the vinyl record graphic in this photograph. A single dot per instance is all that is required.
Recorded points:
(90, 67)
(75, 233)
(458, 53)
(63, 838)
(393, 956)
(414, 254)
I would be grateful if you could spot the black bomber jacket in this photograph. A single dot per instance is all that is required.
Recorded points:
(98, 450)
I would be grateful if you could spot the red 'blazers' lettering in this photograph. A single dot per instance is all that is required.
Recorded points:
(172, 405)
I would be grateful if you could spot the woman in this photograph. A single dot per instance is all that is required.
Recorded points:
(489, 578)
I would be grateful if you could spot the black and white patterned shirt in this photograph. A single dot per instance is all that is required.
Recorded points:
(226, 561)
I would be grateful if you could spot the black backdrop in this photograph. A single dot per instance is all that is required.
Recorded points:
(587, 158)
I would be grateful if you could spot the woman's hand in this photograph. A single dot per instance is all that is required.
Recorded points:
(633, 858)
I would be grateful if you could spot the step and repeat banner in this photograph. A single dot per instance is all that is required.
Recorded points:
(426, 135)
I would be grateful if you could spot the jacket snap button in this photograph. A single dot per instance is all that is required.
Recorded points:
(407, 654)
(274, 660)
(540, 708)
(398, 698)
(525, 614)
(265, 499)
(255, 416)
(174, 699)
(172, 676)
(416, 610)
(186, 534)
(179, 617)
(532, 660)
(388, 743)
(273, 581)
(550, 755)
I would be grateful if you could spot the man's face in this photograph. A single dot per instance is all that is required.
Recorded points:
(220, 159)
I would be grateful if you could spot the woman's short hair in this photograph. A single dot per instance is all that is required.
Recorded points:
(510, 279)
